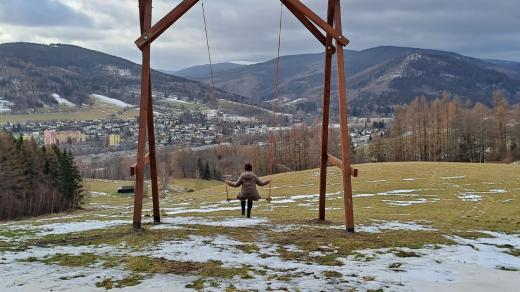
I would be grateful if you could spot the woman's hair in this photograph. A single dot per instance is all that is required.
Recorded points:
(248, 167)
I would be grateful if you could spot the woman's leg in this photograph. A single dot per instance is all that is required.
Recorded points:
(243, 204)
(249, 207)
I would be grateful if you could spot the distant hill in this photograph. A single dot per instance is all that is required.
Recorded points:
(36, 75)
(202, 71)
(378, 78)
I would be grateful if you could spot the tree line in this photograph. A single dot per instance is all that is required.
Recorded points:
(296, 148)
(445, 129)
(36, 180)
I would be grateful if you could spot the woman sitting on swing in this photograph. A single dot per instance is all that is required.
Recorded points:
(248, 180)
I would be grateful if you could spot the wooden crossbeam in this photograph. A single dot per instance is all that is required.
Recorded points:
(309, 25)
(157, 29)
(296, 4)
(133, 167)
(335, 161)
(338, 163)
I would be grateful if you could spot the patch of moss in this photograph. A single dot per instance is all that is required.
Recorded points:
(81, 260)
(311, 239)
(231, 288)
(249, 248)
(30, 260)
(394, 266)
(363, 257)
(514, 252)
(332, 274)
(214, 284)
(328, 260)
(132, 280)
(368, 278)
(71, 277)
(504, 268)
(109, 283)
(144, 264)
(406, 254)
(197, 284)
(149, 265)
(15, 233)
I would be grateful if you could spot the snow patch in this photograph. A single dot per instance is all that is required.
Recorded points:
(62, 101)
(405, 203)
(363, 195)
(96, 194)
(69, 227)
(176, 99)
(453, 177)
(174, 222)
(112, 101)
(5, 106)
(392, 225)
(246, 63)
(469, 197)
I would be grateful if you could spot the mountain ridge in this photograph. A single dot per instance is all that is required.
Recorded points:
(379, 78)
(31, 75)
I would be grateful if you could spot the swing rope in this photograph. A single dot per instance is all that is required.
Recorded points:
(275, 101)
(214, 100)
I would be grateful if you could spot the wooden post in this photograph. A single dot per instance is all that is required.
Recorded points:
(152, 156)
(343, 113)
(146, 22)
(326, 110)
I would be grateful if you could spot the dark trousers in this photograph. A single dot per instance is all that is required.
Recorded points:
(249, 207)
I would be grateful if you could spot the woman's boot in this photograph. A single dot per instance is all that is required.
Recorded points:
(249, 207)
(243, 204)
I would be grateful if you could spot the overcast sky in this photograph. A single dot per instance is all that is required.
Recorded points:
(246, 30)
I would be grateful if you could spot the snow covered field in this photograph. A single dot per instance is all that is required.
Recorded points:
(62, 101)
(109, 100)
(444, 243)
(5, 106)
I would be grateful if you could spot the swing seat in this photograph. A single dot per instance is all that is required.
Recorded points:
(237, 199)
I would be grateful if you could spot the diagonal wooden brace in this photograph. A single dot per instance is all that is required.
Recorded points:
(155, 31)
(309, 25)
(300, 7)
(134, 166)
(338, 163)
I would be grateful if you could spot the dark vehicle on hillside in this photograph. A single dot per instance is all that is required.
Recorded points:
(125, 189)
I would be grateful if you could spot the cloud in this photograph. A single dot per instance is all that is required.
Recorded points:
(247, 29)
(40, 13)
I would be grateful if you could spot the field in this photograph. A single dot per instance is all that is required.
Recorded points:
(419, 227)
(96, 111)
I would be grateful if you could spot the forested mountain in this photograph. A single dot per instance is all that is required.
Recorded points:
(30, 74)
(379, 78)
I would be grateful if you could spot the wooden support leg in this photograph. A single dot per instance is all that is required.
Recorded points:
(326, 110)
(345, 138)
(146, 8)
(153, 161)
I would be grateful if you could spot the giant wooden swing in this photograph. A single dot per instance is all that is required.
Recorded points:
(333, 35)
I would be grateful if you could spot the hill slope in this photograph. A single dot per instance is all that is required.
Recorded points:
(379, 78)
(419, 226)
(34, 75)
(202, 71)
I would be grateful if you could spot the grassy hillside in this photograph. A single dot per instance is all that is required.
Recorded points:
(419, 225)
(97, 110)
